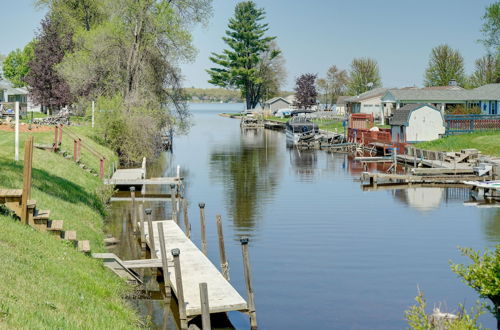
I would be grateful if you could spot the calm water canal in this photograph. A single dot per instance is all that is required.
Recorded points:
(324, 254)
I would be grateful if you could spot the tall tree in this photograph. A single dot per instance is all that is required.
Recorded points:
(47, 87)
(445, 64)
(363, 76)
(272, 72)
(75, 14)
(486, 71)
(16, 65)
(491, 26)
(305, 91)
(239, 65)
(333, 86)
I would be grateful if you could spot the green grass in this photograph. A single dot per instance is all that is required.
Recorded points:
(45, 282)
(486, 142)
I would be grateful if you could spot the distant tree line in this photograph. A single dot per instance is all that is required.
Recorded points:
(212, 95)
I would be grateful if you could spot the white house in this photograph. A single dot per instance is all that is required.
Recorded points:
(368, 102)
(10, 94)
(416, 123)
(340, 106)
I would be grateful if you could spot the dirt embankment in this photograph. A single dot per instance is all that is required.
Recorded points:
(26, 128)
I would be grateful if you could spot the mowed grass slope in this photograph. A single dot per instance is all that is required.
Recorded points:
(45, 282)
(486, 142)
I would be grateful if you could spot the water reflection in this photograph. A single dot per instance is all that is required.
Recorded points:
(491, 226)
(304, 162)
(249, 171)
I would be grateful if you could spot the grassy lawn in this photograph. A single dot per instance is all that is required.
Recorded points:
(45, 282)
(487, 142)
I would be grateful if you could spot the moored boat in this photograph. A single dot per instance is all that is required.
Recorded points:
(300, 128)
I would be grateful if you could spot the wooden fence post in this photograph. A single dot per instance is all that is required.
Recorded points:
(27, 172)
(222, 250)
(205, 307)
(248, 281)
(164, 261)
(151, 235)
(141, 224)
(56, 142)
(186, 218)
(75, 150)
(79, 145)
(180, 291)
(59, 142)
(101, 168)
(203, 228)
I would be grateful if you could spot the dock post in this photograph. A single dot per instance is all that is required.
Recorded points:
(222, 250)
(27, 178)
(248, 281)
(151, 234)
(205, 308)
(203, 229)
(134, 211)
(186, 218)
(141, 225)
(180, 290)
(173, 197)
(164, 262)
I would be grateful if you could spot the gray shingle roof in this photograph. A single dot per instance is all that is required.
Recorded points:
(367, 95)
(274, 99)
(486, 92)
(402, 115)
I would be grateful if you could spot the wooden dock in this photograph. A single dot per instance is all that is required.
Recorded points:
(117, 266)
(122, 180)
(376, 178)
(196, 268)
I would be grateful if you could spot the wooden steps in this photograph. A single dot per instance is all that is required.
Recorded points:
(69, 235)
(83, 246)
(41, 215)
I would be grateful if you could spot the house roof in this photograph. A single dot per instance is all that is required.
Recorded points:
(275, 99)
(486, 92)
(367, 95)
(402, 115)
(341, 100)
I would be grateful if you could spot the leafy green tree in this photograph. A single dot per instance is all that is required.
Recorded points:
(76, 13)
(239, 65)
(445, 64)
(491, 26)
(333, 86)
(486, 71)
(363, 76)
(272, 72)
(16, 65)
(483, 275)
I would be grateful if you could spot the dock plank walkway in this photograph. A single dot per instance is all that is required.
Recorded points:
(433, 163)
(153, 181)
(196, 268)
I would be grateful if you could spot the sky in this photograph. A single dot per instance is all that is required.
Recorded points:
(316, 34)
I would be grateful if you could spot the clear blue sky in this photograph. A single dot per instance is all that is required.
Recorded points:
(315, 34)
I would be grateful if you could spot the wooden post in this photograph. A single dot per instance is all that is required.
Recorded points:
(186, 218)
(93, 110)
(222, 250)
(79, 146)
(141, 223)
(134, 211)
(151, 238)
(59, 142)
(203, 229)
(173, 196)
(101, 168)
(27, 170)
(248, 281)
(16, 137)
(205, 307)
(180, 290)
(164, 261)
(56, 142)
(75, 150)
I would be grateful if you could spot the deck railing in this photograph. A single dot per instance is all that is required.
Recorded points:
(458, 124)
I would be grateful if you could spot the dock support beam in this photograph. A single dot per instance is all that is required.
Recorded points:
(222, 250)
(164, 262)
(203, 228)
(141, 225)
(248, 282)
(173, 197)
(151, 238)
(205, 308)
(180, 291)
(134, 211)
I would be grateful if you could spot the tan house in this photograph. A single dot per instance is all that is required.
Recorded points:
(369, 102)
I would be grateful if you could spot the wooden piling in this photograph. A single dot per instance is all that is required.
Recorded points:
(134, 211)
(186, 218)
(151, 234)
(222, 250)
(141, 223)
(180, 291)
(27, 172)
(248, 282)
(173, 197)
(203, 228)
(164, 261)
(205, 308)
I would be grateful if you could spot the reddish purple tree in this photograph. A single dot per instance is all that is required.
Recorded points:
(47, 88)
(305, 91)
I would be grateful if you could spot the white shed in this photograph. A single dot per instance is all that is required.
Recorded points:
(416, 123)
